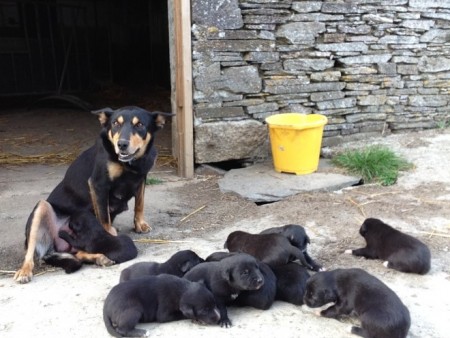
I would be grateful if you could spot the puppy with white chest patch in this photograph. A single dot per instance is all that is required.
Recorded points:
(401, 252)
(356, 292)
(227, 278)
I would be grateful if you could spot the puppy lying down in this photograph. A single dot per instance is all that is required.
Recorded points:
(161, 298)
(400, 251)
(356, 292)
(178, 264)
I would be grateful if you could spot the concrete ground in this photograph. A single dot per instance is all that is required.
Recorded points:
(196, 214)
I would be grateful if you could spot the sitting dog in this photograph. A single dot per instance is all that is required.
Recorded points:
(87, 235)
(401, 252)
(161, 298)
(177, 265)
(355, 292)
(102, 180)
(291, 282)
(272, 249)
(296, 234)
(262, 298)
(227, 278)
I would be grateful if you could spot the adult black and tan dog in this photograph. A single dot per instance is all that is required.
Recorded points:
(161, 298)
(178, 264)
(296, 234)
(272, 249)
(356, 292)
(227, 278)
(400, 251)
(102, 180)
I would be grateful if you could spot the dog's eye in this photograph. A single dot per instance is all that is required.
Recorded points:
(245, 272)
(116, 123)
(139, 125)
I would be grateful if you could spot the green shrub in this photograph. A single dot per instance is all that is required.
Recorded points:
(373, 163)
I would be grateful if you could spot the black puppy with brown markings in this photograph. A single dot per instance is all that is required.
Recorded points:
(177, 265)
(296, 234)
(86, 234)
(262, 298)
(291, 282)
(356, 292)
(227, 278)
(272, 249)
(400, 251)
(161, 298)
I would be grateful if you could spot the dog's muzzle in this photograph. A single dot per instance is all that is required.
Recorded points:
(123, 151)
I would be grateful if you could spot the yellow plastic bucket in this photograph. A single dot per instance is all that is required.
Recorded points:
(296, 140)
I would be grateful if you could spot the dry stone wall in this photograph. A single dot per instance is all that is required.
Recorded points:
(370, 66)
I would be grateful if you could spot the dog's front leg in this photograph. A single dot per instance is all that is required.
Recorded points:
(100, 203)
(140, 225)
(41, 229)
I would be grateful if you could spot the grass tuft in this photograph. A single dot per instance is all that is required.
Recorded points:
(153, 181)
(373, 163)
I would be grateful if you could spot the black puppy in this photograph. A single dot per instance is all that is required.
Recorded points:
(161, 299)
(296, 234)
(177, 265)
(272, 249)
(91, 241)
(291, 282)
(262, 298)
(227, 278)
(354, 291)
(401, 252)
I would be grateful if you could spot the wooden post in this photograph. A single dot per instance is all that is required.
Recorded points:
(181, 69)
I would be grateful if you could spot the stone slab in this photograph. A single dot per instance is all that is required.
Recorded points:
(260, 183)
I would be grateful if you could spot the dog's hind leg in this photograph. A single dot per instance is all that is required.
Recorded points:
(94, 258)
(40, 229)
(140, 225)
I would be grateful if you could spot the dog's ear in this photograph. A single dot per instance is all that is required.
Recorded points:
(160, 118)
(330, 295)
(187, 310)
(185, 267)
(103, 115)
(308, 241)
(227, 275)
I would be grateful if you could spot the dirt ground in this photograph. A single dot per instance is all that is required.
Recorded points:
(194, 214)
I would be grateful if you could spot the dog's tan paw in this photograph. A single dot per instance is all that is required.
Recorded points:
(142, 227)
(23, 276)
(102, 260)
(112, 231)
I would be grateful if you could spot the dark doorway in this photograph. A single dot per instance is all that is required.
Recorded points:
(61, 46)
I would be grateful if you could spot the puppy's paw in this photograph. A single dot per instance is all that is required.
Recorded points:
(226, 323)
(318, 313)
(322, 269)
(102, 260)
(348, 251)
(386, 264)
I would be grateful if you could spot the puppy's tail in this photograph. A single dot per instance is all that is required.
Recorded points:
(63, 260)
(109, 327)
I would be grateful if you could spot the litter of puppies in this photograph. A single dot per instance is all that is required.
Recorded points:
(236, 278)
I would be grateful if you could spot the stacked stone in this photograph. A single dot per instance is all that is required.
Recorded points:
(370, 66)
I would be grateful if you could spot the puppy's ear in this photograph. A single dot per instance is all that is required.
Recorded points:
(187, 310)
(103, 115)
(330, 295)
(363, 229)
(308, 241)
(227, 275)
(185, 267)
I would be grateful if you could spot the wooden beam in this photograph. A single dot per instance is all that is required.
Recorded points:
(182, 101)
